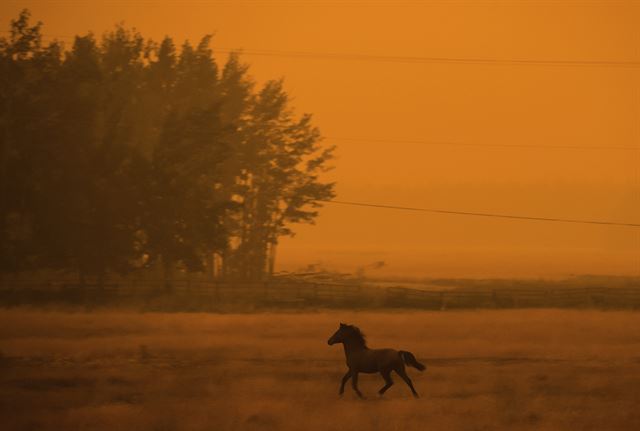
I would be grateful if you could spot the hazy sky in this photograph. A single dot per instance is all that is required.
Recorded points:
(479, 104)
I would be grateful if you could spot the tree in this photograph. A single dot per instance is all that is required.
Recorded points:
(27, 70)
(278, 184)
(120, 153)
(185, 164)
(89, 218)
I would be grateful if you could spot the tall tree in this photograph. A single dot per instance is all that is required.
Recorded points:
(278, 182)
(185, 165)
(121, 152)
(28, 70)
(90, 217)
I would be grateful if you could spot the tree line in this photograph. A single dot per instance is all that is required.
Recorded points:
(121, 153)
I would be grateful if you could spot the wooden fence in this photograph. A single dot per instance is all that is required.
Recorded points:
(207, 295)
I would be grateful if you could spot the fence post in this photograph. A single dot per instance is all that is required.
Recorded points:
(443, 301)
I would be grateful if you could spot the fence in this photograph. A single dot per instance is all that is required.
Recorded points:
(211, 296)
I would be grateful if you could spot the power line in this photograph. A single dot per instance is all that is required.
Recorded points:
(479, 214)
(414, 59)
(428, 59)
(465, 144)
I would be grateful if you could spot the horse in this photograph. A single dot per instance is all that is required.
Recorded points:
(361, 359)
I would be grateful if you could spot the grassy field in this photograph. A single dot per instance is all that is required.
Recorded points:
(487, 370)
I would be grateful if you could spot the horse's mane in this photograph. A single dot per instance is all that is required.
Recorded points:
(358, 335)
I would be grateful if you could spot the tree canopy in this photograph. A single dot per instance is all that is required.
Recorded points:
(120, 152)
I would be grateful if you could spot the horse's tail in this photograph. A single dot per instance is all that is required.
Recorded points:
(411, 360)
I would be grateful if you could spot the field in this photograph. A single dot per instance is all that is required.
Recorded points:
(486, 370)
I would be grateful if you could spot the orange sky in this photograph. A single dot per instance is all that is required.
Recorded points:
(465, 103)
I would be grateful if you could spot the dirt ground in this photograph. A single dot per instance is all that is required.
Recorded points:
(486, 370)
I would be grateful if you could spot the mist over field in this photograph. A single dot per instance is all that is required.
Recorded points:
(487, 370)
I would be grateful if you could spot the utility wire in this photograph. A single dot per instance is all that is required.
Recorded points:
(412, 59)
(429, 59)
(479, 214)
(465, 144)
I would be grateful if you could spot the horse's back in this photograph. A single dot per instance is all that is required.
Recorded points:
(389, 354)
(375, 360)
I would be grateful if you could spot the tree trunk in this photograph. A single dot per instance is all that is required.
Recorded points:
(81, 278)
(167, 269)
(210, 265)
(272, 258)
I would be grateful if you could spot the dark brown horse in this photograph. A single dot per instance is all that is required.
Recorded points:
(361, 359)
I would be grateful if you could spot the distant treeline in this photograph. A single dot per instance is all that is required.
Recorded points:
(614, 293)
(121, 153)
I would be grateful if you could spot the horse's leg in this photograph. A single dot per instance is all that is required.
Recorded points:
(402, 373)
(354, 383)
(386, 375)
(344, 381)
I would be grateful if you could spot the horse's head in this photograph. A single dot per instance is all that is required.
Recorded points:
(339, 335)
(345, 332)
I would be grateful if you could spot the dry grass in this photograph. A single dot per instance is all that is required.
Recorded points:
(537, 370)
